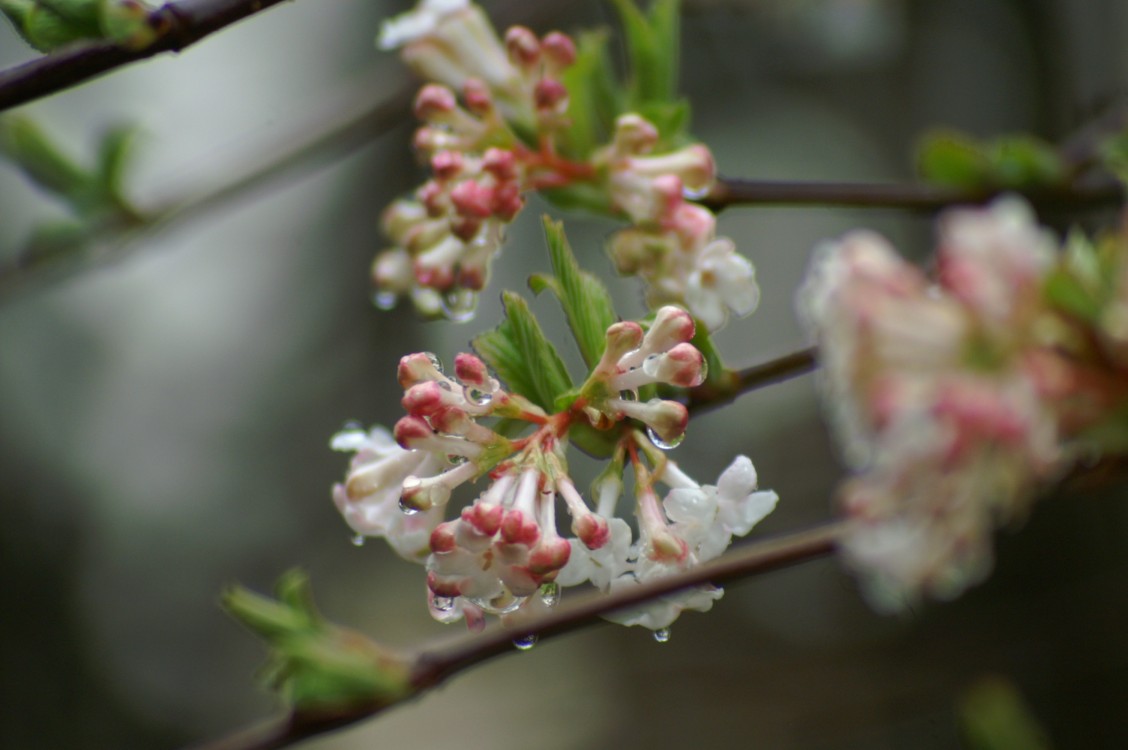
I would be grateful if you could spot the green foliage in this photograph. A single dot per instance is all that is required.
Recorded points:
(1084, 284)
(993, 716)
(89, 192)
(50, 24)
(958, 160)
(315, 665)
(653, 47)
(522, 357)
(586, 302)
(594, 100)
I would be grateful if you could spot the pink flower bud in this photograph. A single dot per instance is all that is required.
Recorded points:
(559, 48)
(592, 530)
(549, 94)
(522, 46)
(473, 199)
(443, 538)
(433, 100)
(446, 165)
(484, 517)
(417, 368)
(549, 556)
(477, 96)
(518, 528)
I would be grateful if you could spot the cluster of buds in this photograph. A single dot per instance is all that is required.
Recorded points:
(673, 244)
(952, 397)
(503, 554)
(478, 149)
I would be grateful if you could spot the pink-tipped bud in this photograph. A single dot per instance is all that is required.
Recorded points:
(621, 338)
(447, 165)
(523, 46)
(592, 530)
(434, 100)
(559, 48)
(518, 528)
(485, 518)
(426, 399)
(472, 371)
(465, 228)
(549, 94)
(472, 199)
(432, 195)
(672, 326)
(549, 556)
(507, 201)
(634, 135)
(443, 538)
(409, 432)
(683, 366)
(501, 163)
(477, 96)
(417, 368)
(443, 586)
(450, 420)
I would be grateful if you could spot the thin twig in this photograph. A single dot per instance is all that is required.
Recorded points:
(184, 23)
(335, 139)
(911, 196)
(705, 398)
(435, 665)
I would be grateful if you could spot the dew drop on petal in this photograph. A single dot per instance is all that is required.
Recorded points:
(476, 396)
(456, 459)
(357, 540)
(407, 508)
(525, 642)
(550, 594)
(662, 635)
(666, 445)
(693, 195)
(631, 395)
(442, 603)
(459, 306)
(502, 604)
(445, 385)
(384, 300)
(438, 363)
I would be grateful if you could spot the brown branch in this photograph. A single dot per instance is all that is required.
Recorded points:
(707, 397)
(911, 196)
(182, 23)
(432, 666)
(330, 140)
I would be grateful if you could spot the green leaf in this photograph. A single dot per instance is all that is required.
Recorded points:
(28, 146)
(1023, 161)
(316, 665)
(127, 23)
(586, 302)
(993, 716)
(114, 155)
(49, 27)
(595, 98)
(954, 159)
(652, 50)
(522, 357)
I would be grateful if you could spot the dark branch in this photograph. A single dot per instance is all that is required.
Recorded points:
(184, 23)
(433, 666)
(704, 398)
(913, 196)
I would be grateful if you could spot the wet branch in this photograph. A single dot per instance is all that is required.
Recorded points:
(708, 397)
(184, 23)
(432, 666)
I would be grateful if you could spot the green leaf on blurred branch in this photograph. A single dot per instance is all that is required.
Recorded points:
(993, 716)
(315, 665)
(954, 159)
(50, 24)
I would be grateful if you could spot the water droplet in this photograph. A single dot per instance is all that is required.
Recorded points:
(502, 604)
(662, 635)
(445, 385)
(438, 363)
(693, 195)
(525, 642)
(476, 397)
(666, 445)
(407, 508)
(650, 365)
(456, 459)
(704, 370)
(384, 300)
(631, 395)
(442, 603)
(460, 305)
(550, 594)
(353, 426)
(357, 540)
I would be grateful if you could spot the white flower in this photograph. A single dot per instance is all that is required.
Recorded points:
(721, 280)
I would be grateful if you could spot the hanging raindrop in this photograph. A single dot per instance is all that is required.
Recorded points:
(476, 397)
(384, 300)
(357, 540)
(438, 363)
(666, 445)
(442, 603)
(550, 594)
(502, 604)
(460, 305)
(525, 642)
(662, 635)
(407, 508)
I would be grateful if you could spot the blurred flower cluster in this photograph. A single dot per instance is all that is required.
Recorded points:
(953, 397)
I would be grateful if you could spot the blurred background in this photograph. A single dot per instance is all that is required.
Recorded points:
(164, 421)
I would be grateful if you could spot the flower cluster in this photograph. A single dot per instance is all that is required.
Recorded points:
(951, 398)
(493, 118)
(504, 553)
(673, 244)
